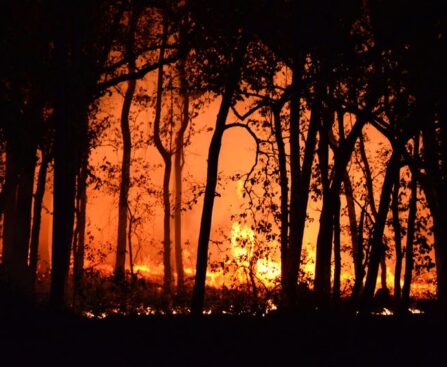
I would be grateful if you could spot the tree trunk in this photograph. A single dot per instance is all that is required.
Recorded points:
(294, 250)
(412, 211)
(377, 246)
(79, 243)
(397, 238)
(167, 278)
(120, 259)
(330, 205)
(198, 296)
(64, 207)
(435, 188)
(129, 240)
(300, 204)
(178, 168)
(21, 163)
(10, 202)
(337, 252)
(357, 246)
(284, 187)
(166, 155)
(37, 216)
(324, 240)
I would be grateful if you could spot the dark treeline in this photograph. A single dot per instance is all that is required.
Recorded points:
(347, 67)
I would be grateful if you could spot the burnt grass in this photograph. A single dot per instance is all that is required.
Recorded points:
(306, 338)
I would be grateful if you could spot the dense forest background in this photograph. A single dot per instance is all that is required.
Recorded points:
(233, 157)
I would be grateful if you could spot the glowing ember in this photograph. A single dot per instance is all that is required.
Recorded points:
(384, 312)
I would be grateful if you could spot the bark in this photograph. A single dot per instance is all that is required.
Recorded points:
(437, 199)
(166, 155)
(372, 203)
(357, 246)
(397, 238)
(68, 111)
(368, 178)
(120, 259)
(37, 217)
(299, 205)
(284, 187)
(412, 210)
(324, 240)
(10, 197)
(178, 169)
(330, 204)
(79, 244)
(294, 250)
(440, 232)
(377, 245)
(21, 161)
(64, 206)
(129, 240)
(211, 180)
(79, 62)
(337, 252)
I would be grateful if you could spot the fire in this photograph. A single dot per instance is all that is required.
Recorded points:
(268, 270)
(243, 246)
(142, 269)
(242, 242)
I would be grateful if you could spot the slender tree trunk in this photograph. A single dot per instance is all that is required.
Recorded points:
(301, 196)
(20, 167)
(294, 250)
(372, 205)
(120, 259)
(2, 181)
(10, 204)
(167, 280)
(324, 240)
(327, 219)
(20, 251)
(397, 238)
(166, 155)
(37, 216)
(178, 168)
(412, 210)
(63, 212)
(178, 165)
(435, 188)
(368, 177)
(79, 243)
(377, 246)
(211, 180)
(129, 240)
(337, 252)
(69, 113)
(284, 186)
(357, 246)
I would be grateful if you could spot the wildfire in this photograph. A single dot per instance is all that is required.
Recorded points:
(243, 244)
(142, 269)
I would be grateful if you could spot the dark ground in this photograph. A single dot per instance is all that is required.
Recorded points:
(311, 339)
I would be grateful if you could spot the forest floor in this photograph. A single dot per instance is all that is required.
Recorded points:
(305, 339)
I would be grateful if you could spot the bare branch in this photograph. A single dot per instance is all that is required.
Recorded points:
(141, 73)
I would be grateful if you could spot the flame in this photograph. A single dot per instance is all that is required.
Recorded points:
(243, 244)
(142, 268)
(242, 241)
(268, 270)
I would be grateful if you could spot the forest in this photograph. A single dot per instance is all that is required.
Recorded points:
(247, 158)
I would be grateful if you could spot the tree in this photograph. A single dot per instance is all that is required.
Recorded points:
(127, 147)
